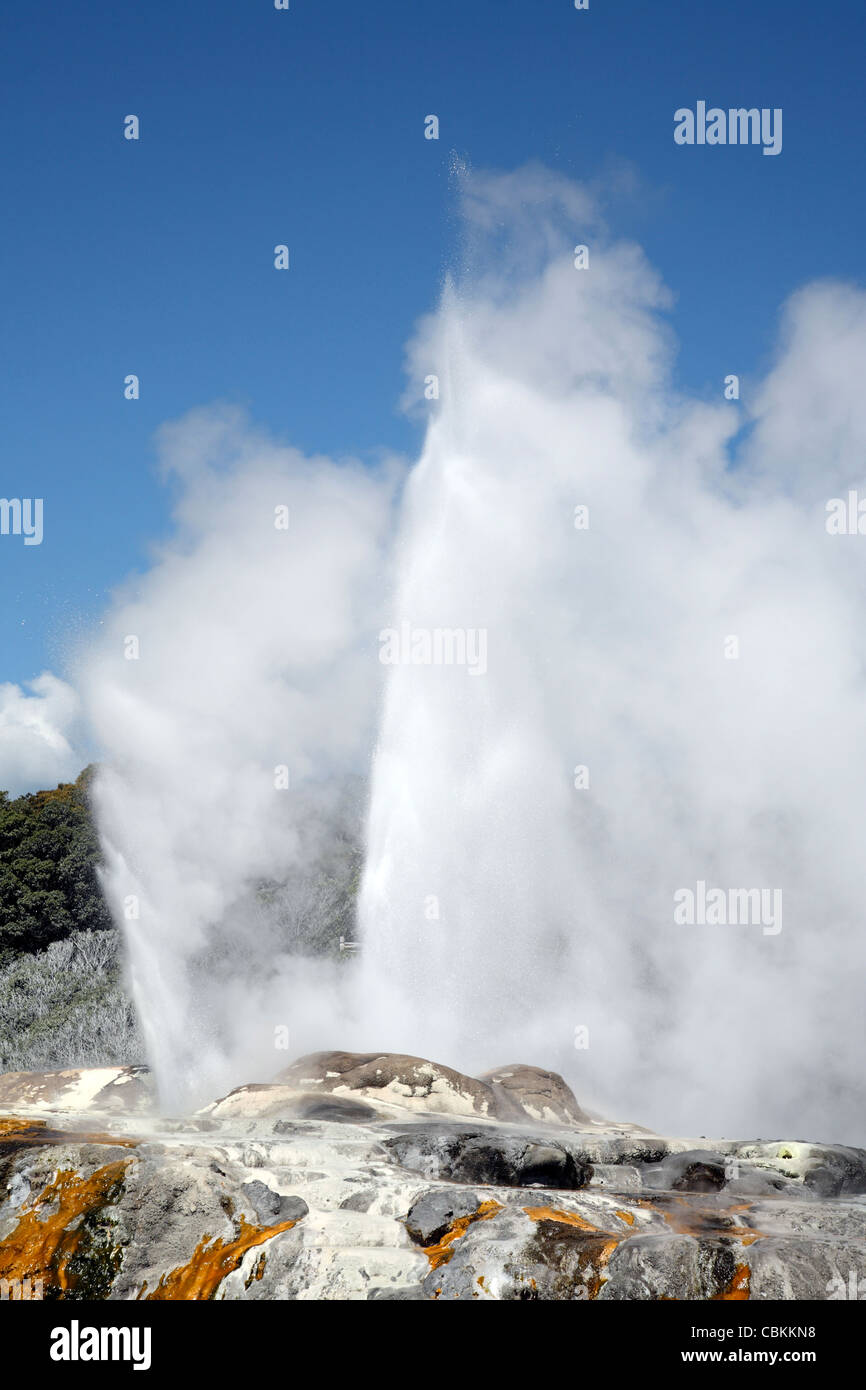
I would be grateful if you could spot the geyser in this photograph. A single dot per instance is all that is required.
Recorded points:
(671, 694)
(227, 740)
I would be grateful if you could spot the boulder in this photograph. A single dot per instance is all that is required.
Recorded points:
(261, 1101)
(434, 1213)
(654, 1267)
(522, 1090)
(271, 1207)
(828, 1170)
(696, 1170)
(82, 1090)
(412, 1083)
(459, 1153)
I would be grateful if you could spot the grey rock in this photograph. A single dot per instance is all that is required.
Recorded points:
(358, 1201)
(271, 1207)
(263, 1100)
(830, 1170)
(653, 1267)
(489, 1156)
(838, 1172)
(696, 1170)
(752, 1181)
(408, 1293)
(523, 1091)
(616, 1177)
(410, 1082)
(336, 1109)
(803, 1268)
(434, 1212)
(438, 1206)
(129, 1090)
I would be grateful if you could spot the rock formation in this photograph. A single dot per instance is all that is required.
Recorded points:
(356, 1176)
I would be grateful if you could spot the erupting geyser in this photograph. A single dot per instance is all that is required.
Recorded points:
(621, 655)
(673, 695)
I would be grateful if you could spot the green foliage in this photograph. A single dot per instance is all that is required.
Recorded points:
(49, 853)
(63, 1000)
(67, 1006)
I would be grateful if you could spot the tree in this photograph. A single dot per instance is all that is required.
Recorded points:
(49, 855)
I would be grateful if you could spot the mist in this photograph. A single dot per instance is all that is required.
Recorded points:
(529, 829)
(232, 693)
(530, 824)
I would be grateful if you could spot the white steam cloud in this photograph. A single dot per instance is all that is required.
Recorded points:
(239, 662)
(502, 907)
(511, 909)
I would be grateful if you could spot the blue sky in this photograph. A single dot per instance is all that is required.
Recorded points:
(306, 127)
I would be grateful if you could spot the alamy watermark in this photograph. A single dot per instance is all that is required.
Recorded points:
(21, 1290)
(77, 1343)
(854, 1289)
(437, 646)
(736, 126)
(720, 907)
(846, 516)
(22, 516)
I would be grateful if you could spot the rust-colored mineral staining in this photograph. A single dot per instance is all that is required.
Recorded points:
(42, 1244)
(564, 1218)
(595, 1280)
(596, 1249)
(441, 1252)
(626, 1216)
(258, 1270)
(699, 1219)
(738, 1289)
(14, 1124)
(211, 1261)
(19, 1133)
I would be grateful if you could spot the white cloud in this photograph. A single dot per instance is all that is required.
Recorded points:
(810, 412)
(37, 734)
